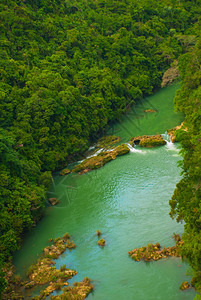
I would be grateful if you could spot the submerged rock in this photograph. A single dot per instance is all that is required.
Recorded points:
(53, 201)
(150, 110)
(98, 232)
(148, 141)
(45, 272)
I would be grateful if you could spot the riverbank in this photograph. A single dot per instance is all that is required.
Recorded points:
(127, 200)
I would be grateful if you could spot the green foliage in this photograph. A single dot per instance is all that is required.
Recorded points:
(186, 201)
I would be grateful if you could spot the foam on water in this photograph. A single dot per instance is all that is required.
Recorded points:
(134, 150)
(169, 144)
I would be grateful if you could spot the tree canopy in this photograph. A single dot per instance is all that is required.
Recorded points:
(68, 69)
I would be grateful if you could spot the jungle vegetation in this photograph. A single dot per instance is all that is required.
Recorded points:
(70, 68)
(186, 201)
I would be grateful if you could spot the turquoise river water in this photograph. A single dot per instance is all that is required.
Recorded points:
(127, 200)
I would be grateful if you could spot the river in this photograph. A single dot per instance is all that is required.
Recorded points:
(127, 200)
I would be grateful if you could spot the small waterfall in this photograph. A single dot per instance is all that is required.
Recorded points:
(166, 137)
(170, 145)
(95, 153)
(133, 149)
(92, 147)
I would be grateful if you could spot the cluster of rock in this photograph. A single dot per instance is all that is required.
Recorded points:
(155, 252)
(148, 141)
(101, 242)
(45, 273)
(108, 154)
(79, 291)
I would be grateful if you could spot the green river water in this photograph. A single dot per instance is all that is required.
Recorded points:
(127, 200)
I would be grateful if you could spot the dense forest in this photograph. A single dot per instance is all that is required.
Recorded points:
(186, 201)
(70, 68)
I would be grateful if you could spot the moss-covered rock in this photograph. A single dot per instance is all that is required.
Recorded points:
(154, 252)
(148, 141)
(79, 291)
(101, 159)
(185, 286)
(45, 272)
(65, 172)
(101, 242)
(121, 150)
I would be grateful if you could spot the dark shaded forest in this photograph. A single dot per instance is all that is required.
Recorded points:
(71, 68)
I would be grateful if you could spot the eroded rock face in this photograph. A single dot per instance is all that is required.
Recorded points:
(148, 141)
(170, 75)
